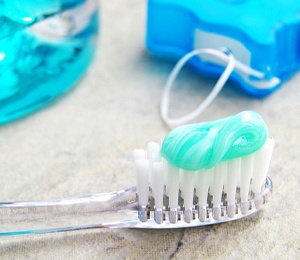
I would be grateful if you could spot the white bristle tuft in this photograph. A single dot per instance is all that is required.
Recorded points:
(173, 186)
(158, 184)
(234, 169)
(165, 171)
(211, 180)
(261, 165)
(202, 185)
(247, 163)
(188, 188)
(142, 177)
(239, 176)
(152, 156)
(220, 173)
(181, 181)
(152, 150)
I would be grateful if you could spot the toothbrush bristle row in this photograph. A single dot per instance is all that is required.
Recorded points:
(229, 190)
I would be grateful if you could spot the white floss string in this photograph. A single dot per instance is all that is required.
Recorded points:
(225, 56)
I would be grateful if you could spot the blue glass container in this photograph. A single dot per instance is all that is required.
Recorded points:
(45, 47)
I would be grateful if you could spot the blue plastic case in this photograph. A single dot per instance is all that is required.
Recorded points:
(264, 35)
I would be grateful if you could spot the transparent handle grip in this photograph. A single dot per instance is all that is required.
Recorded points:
(115, 209)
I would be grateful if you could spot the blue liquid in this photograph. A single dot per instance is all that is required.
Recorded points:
(38, 63)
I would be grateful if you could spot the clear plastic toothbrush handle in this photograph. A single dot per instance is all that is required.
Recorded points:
(115, 209)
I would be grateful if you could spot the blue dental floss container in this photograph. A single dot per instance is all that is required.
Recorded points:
(264, 35)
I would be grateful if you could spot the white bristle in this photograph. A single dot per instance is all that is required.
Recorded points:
(202, 184)
(262, 160)
(188, 188)
(181, 181)
(152, 156)
(142, 178)
(165, 171)
(239, 176)
(173, 186)
(158, 184)
(211, 180)
(220, 173)
(234, 169)
(246, 175)
(152, 150)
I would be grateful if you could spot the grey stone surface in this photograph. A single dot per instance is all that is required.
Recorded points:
(82, 144)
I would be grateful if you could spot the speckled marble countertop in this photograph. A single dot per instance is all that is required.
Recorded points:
(82, 143)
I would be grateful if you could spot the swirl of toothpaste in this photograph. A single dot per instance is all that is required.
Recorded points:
(202, 146)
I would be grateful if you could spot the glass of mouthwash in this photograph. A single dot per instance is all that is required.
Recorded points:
(45, 47)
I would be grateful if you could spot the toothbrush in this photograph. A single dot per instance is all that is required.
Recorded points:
(202, 174)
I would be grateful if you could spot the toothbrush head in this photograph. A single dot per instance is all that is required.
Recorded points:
(205, 173)
(226, 182)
